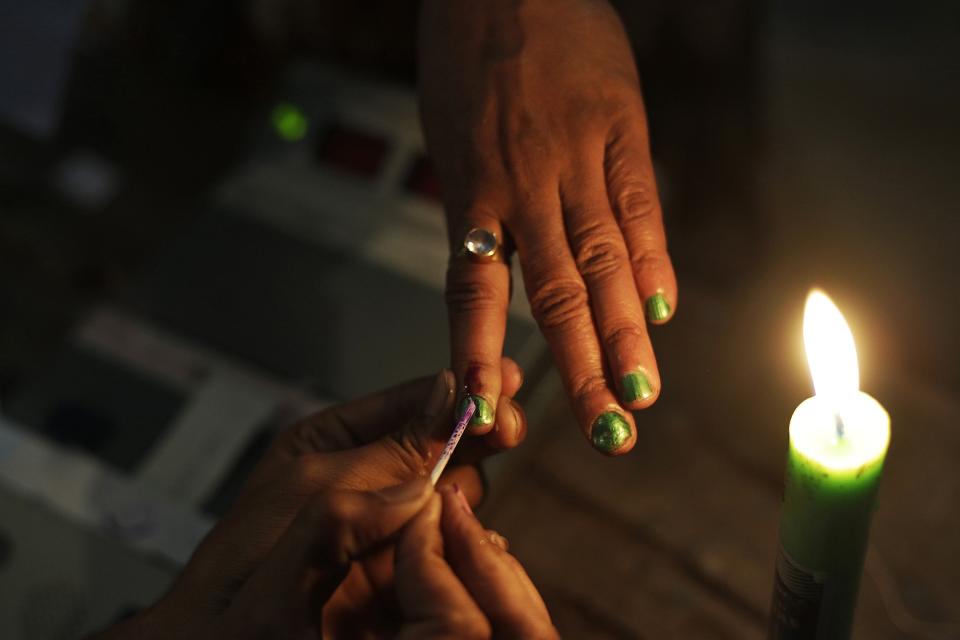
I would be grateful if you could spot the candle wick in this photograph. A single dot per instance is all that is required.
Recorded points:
(839, 424)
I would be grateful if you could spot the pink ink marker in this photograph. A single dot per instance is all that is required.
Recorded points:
(458, 430)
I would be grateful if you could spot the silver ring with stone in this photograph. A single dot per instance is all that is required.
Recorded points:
(481, 245)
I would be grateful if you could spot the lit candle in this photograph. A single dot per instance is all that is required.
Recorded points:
(838, 441)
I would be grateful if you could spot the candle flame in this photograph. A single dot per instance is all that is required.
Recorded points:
(831, 353)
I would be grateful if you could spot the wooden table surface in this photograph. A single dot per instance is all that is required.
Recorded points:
(678, 538)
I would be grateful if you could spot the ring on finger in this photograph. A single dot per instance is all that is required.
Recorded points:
(482, 245)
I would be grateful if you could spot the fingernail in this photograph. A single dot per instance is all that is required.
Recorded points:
(658, 309)
(462, 498)
(440, 393)
(404, 492)
(498, 540)
(483, 413)
(635, 386)
(610, 430)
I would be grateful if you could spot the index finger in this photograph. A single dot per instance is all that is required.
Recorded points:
(430, 594)
(478, 295)
(498, 583)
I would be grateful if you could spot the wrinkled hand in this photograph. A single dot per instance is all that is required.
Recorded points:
(366, 445)
(458, 584)
(534, 120)
(457, 580)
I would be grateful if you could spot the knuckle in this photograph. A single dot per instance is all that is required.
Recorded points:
(584, 385)
(624, 335)
(410, 451)
(613, 102)
(466, 292)
(634, 202)
(649, 262)
(599, 256)
(560, 303)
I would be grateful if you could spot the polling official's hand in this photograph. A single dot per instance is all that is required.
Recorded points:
(534, 120)
(457, 580)
(367, 445)
(285, 593)
(453, 578)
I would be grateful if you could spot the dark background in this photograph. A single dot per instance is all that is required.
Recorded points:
(796, 144)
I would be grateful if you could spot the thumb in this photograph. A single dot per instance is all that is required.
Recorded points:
(433, 422)
(406, 452)
(314, 555)
(360, 422)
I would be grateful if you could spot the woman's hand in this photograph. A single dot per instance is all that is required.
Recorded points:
(535, 123)
(366, 445)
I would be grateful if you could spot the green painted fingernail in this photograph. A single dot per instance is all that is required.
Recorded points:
(610, 430)
(483, 414)
(658, 308)
(635, 386)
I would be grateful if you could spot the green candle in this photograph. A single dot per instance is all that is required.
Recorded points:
(838, 441)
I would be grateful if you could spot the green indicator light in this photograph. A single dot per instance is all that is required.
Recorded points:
(289, 121)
